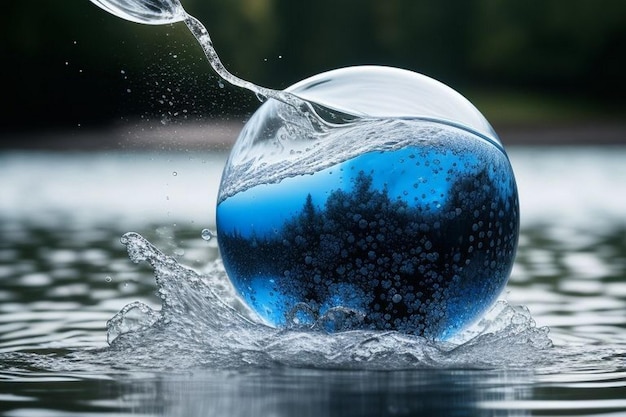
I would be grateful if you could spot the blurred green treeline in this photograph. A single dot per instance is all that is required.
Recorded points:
(68, 63)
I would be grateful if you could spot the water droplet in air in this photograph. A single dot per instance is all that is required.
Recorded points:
(208, 234)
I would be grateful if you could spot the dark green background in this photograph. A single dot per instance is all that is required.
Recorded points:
(519, 61)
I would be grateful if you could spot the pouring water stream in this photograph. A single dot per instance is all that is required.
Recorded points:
(161, 12)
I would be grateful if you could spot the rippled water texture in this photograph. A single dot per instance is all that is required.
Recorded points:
(185, 346)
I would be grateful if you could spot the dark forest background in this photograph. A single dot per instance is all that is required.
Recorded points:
(68, 64)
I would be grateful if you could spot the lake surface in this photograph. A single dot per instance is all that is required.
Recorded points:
(64, 273)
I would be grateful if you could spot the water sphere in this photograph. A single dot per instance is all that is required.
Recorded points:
(404, 218)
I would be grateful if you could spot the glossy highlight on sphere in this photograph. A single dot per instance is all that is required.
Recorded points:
(402, 220)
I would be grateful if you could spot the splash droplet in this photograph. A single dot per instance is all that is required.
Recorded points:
(208, 234)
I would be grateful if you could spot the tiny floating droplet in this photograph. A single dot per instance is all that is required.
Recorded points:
(175, 173)
(108, 279)
(208, 234)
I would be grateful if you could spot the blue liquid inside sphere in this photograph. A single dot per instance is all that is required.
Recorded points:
(409, 222)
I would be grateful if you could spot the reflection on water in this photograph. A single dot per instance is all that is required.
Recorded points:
(281, 392)
(64, 274)
(329, 393)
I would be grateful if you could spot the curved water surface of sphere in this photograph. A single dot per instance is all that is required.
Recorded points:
(404, 219)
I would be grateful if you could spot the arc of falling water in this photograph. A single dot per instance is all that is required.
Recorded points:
(161, 12)
(202, 35)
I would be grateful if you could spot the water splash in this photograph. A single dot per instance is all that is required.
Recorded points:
(202, 324)
(192, 310)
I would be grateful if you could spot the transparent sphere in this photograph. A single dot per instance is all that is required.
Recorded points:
(406, 217)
